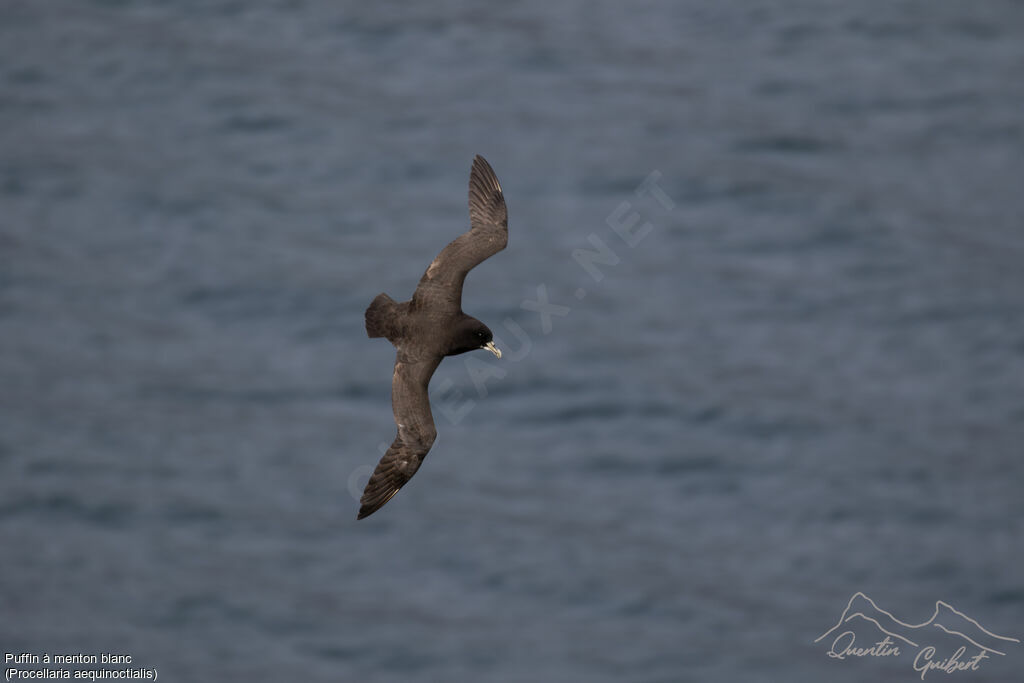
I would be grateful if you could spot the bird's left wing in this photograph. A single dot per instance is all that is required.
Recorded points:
(415, 436)
(441, 286)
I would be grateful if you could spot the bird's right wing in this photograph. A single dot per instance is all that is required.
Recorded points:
(415, 436)
(441, 286)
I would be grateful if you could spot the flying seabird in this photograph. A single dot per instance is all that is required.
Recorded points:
(429, 327)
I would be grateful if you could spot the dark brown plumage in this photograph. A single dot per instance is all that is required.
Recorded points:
(429, 327)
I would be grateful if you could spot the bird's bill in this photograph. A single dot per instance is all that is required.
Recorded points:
(492, 348)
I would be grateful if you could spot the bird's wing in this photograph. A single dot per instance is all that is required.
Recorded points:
(415, 436)
(441, 286)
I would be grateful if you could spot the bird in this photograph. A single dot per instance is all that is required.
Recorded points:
(430, 326)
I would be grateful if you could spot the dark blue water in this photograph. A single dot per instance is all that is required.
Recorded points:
(804, 379)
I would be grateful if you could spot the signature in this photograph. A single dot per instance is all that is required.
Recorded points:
(896, 637)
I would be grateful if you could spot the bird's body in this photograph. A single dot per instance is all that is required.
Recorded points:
(430, 326)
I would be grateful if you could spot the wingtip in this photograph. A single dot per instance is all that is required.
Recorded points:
(482, 175)
(367, 510)
(480, 162)
(371, 502)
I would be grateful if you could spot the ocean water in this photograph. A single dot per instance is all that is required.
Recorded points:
(777, 247)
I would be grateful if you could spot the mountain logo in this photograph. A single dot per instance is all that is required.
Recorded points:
(950, 641)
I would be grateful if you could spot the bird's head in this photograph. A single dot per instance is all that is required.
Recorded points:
(471, 334)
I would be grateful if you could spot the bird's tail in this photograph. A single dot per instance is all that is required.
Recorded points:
(380, 317)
